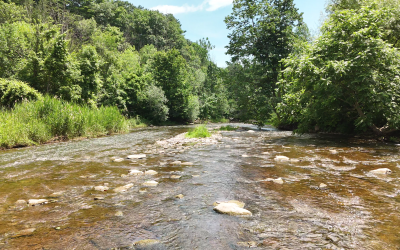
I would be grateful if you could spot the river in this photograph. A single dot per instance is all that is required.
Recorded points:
(327, 198)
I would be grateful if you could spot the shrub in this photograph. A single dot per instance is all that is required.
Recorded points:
(13, 91)
(198, 132)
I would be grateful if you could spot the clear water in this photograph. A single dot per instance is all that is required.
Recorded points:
(357, 210)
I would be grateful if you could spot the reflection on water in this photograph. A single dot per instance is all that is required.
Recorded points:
(328, 198)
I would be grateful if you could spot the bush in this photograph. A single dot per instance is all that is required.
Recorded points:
(199, 132)
(13, 91)
(228, 128)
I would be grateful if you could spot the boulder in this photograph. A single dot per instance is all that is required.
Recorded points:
(123, 188)
(381, 171)
(231, 209)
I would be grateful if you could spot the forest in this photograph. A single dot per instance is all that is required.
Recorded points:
(58, 55)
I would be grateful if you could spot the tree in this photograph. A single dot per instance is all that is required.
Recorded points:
(348, 81)
(262, 35)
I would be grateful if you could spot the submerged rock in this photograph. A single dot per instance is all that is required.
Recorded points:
(381, 171)
(56, 194)
(176, 163)
(147, 242)
(98, 198)
(281, 158)
(21, 202)
(35, 202)
(123, 188)
(175, 176)
(25, 232)
(101, 188)
(117, 160)
(119, 214)
(138, 156)
(150, 184)
(150, 172)
(238, 203)
(232, 208)
(249, 244)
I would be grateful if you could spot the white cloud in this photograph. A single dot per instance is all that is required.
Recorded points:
(177, 9)
(216, 4)
(212, 5)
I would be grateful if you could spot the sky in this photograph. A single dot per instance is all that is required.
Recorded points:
(205, 18)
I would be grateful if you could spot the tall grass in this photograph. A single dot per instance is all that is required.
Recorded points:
(198, 132)
(36, 122)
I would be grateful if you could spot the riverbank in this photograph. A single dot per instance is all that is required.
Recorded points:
(50, 119)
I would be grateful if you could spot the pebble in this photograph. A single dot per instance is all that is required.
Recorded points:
(381, 171)
(34, 202)
(175, 176)
(139, 156)
(281, 158)
(150, 184)
(119, 214)
(231, 209)
(101, 188)
(150, 172)
(123, 188)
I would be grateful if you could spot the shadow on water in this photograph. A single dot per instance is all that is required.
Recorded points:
(326, 199)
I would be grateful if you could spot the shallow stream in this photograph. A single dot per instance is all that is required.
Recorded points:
(355, 210)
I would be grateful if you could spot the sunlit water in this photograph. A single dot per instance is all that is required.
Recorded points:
(357, 210)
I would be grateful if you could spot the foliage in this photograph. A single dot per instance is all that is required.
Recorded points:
(13, 91)
(198, 132)
(348, 81)
(228, 128)
(35, 122)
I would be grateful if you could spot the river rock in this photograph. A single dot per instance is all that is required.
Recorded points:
(281, 158)
(101, 188)
(25, 232)
(98, 198)
(119, 214)
(135, 172)
(150, 172)
(175, 176)
(231, 209)
(150, 184)
(238, 203)
(56, 194)
(179, 196)
(333, 151)
(381, 171)
(21, 202)
(323, 186)
(249, 244)
(117, 160)
(123, 188)
(187, 163)
(147, 242)
(139, 156)
(35, 202)
(277, 181)
(176, 163)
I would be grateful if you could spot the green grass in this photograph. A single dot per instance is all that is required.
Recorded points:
(219, 120)
(198, 132)
(36, 122)
(228, 128)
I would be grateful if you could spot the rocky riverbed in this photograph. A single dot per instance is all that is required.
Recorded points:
(156, 189)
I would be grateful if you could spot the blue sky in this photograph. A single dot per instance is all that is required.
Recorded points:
(205, 18)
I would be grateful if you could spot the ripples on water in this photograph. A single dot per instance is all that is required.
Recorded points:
(357, 210)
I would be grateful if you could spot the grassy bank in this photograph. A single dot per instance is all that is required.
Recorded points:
(36, 122)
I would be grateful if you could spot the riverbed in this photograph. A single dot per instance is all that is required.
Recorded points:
(304, 192)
